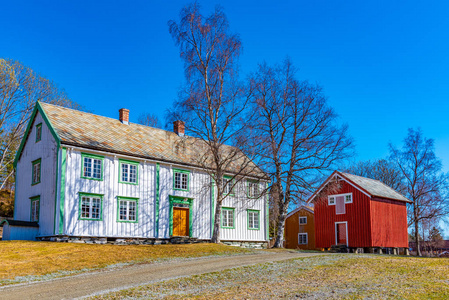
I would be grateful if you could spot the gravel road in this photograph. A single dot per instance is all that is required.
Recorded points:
(95, 283)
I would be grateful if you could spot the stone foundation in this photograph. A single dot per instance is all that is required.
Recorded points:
(247, 244)
(103, 240)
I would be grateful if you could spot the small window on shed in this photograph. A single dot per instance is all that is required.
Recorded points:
(302, 220)
(331, 200)
(302, 238)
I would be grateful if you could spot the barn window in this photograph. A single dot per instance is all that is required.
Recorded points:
(181, 180)
(227, 185)
(92, 166)
(127, 209)
(253, 219)
(348, 198)
(253, 189)
(36, 178)
(129, 171)
(331, 200)
(302, 238)
(91, 207)
(35, 206)
(227, 217)
(38, 132)
(302, 220)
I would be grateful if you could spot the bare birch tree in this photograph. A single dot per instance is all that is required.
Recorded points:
(297, 135)
(426, 185)
(148, 119)
(20, 88)
(213, 100)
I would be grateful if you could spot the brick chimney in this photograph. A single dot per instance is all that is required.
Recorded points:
(124, 115)
(179, 127)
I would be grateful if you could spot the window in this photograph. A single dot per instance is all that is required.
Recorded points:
(127, 209)
(348, 198)
(253, 189)
(129, 171)
(38, 132)
(253, 219)
(331, 200)
(92, 166)
(302, 238)
(302, 220)
(227, 217)
(91, 207)
(227, 185)
(36, 178)
(181, 180)
(35, 206)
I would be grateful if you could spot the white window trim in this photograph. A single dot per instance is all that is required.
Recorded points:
(336, 237)
(302, 217)
(338, 195)
(307, 238)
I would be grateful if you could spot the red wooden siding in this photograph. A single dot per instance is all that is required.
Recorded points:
(389, 223)
(357, 214)
(292, 228)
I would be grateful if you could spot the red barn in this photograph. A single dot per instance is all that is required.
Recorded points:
(363, 214)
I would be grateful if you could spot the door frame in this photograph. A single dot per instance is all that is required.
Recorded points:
(180, 200)
(336, 237)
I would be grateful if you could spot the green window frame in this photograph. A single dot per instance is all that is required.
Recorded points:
(253, 217)
(228, 217)
(181, 180)
(90, 207)
(252, 188)
(35, 208)
(228, 189)
(128, 172)
(127, 209)
(38, 132)
(92, 166)
(36, 171)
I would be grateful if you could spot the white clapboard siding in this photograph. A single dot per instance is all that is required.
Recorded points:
(199, 190)
(111, 189)
(241, 203)
(145, 191)
(47, 151)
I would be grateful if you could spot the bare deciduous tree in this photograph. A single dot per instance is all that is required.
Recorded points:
(213, 100)
(20, 88)
(426, 185)
(148, 119)
(297, 135)
(382, 170)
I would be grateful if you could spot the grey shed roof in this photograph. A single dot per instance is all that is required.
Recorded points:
(374, 187)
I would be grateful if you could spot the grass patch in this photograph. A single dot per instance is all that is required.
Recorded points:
(342, 276)
(24, 258)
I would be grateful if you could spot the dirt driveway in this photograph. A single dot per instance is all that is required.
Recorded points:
(120, 278)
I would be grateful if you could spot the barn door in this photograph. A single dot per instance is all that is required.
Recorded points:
(341, 233)
(180, 221)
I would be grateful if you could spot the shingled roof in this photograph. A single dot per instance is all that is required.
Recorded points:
(373, 187)
(90, 131)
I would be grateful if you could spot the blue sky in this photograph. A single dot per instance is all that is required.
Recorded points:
(384, 65)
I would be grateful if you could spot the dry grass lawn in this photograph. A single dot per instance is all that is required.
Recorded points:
(344, 276)
(22, 258)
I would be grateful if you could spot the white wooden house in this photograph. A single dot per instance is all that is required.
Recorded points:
(81, 175)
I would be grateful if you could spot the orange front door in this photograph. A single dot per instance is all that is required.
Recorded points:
(180, 221)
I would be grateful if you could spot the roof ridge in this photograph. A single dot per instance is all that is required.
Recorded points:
(101, 116)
